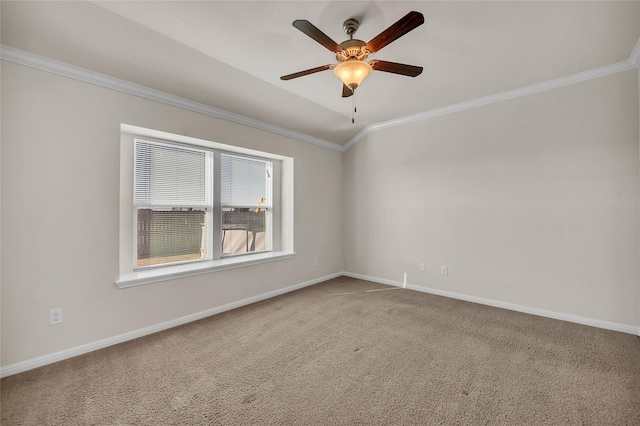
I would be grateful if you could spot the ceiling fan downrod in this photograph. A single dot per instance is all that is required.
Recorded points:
(350, 27)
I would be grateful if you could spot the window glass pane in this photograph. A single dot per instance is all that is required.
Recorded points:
(170, 175)
(167, 236)
(243, 181)
(243, 230)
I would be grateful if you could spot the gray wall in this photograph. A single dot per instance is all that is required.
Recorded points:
(60, 215)
(532, 201)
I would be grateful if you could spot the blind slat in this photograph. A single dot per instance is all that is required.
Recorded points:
(169, 175)
(243, 180)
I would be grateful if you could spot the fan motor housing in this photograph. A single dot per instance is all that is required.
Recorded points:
(353, 49)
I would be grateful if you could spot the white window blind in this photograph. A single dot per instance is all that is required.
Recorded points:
(171, 176)
(172, 200)
(243, 181)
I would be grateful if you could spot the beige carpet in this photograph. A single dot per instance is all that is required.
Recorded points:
(344, 352)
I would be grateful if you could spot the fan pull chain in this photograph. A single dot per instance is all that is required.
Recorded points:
(355, 109)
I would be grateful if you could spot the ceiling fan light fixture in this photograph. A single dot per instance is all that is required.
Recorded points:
(350, 54)
(352, 72)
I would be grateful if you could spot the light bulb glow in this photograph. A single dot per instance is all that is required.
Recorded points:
(352, 72)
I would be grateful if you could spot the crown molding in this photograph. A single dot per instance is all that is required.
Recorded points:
(603, 71)
(22, 57)
(43, 63)
(634, 58)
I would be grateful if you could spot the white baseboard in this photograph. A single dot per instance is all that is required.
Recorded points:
(40, 361)
(504, 305)
(89, 347)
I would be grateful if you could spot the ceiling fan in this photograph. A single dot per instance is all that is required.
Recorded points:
(352, 69)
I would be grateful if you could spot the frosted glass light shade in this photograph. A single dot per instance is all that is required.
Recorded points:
(352, 72)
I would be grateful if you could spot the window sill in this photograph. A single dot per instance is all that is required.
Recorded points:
(149, 276)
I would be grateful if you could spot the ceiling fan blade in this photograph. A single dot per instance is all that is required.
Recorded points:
(312, 31)
(396, 68)
(346, 92)
(306, 72)
(407, 23)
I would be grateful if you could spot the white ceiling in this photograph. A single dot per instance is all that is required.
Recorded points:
(230, 54)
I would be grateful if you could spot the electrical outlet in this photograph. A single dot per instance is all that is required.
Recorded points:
(315, 261)
(444, 270)
(55, 316)
(423, 267)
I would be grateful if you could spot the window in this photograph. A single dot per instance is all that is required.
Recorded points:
(194, 204)
(191, 206)
(246, 204)
(173, 203)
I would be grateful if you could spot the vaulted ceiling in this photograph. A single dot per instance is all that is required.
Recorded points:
(230, 54)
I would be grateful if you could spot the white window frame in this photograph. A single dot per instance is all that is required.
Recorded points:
(281, 220)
